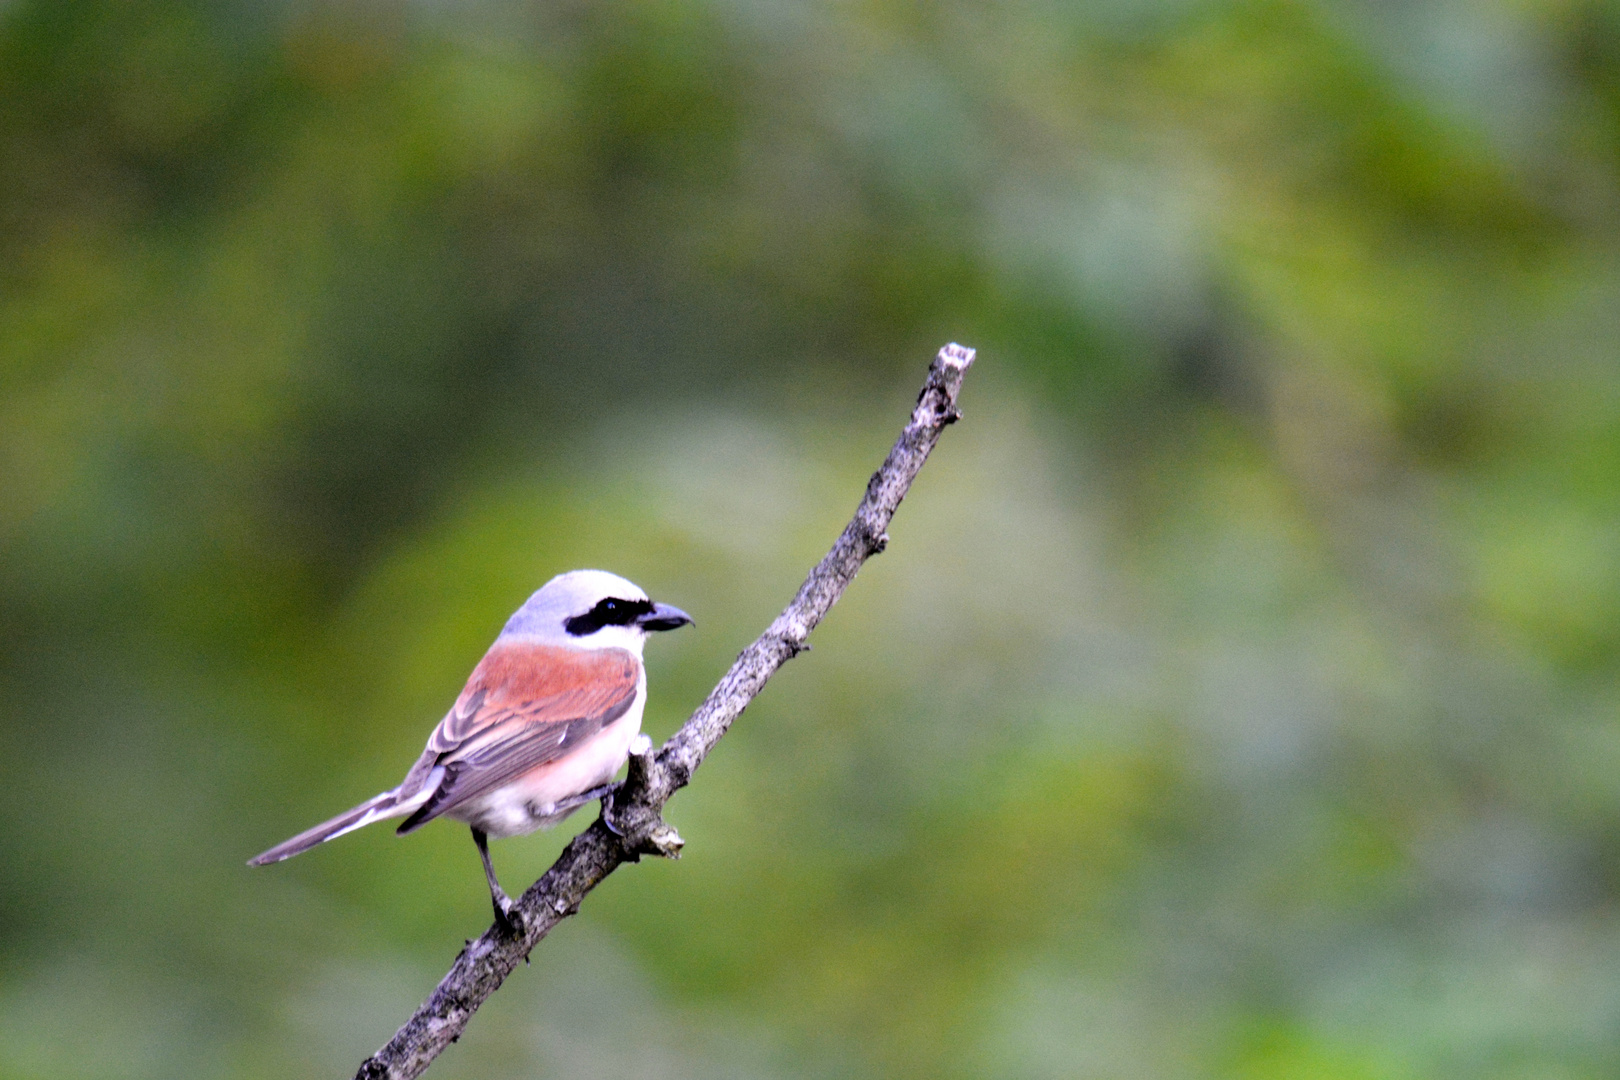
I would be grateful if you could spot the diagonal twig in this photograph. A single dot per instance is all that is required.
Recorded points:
(631, 824)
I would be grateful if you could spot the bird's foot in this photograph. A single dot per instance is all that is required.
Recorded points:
(605, 794)
(507, 916)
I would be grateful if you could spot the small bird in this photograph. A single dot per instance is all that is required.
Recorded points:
(546, 719)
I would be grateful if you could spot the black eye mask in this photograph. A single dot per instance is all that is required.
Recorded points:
(609, 612)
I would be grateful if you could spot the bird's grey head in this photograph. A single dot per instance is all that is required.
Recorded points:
(592, 609)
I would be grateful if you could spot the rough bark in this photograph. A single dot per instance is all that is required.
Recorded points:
(631, 824)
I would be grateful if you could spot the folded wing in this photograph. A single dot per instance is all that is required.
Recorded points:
(524, 706)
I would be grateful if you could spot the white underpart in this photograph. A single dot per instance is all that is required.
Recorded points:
(530, 802)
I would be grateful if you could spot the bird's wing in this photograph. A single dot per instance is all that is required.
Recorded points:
(525, 705)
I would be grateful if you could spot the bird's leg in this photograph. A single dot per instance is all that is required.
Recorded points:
(574, 802)
(600, 792)
(502, 902)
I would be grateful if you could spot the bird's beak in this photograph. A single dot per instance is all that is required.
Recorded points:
(664, 617)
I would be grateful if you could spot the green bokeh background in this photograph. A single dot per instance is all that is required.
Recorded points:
(1238, 697)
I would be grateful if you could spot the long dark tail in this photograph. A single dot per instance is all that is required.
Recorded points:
(386, 805)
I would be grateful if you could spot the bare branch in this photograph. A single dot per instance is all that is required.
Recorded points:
(634, 812)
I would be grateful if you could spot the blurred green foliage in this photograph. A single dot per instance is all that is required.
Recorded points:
(1237, 699)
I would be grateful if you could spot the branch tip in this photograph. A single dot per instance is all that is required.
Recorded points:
(665, 841)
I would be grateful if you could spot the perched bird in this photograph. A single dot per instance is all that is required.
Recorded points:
(545, 721)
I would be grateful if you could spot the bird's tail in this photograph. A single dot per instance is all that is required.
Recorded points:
(386, 805)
